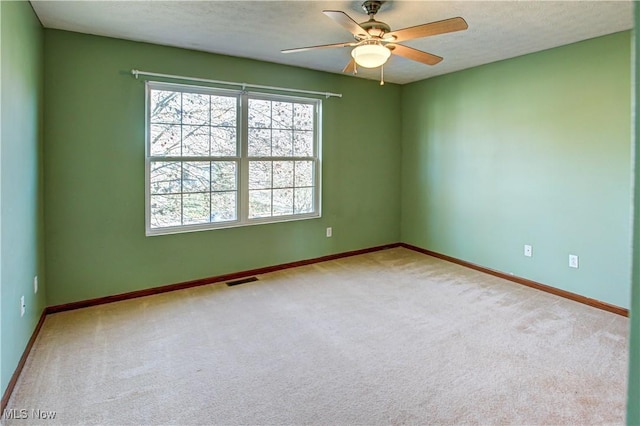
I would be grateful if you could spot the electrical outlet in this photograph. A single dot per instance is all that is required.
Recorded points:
(528, 250)
(35, 284)
(573, 261)
(329, 232)
(23, 307)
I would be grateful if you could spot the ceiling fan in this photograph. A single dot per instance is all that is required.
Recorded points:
(375, 42)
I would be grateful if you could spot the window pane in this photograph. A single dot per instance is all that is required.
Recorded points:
(259, 113)
(195, 141)
(259, 203)
(165, 177)
(223, 175)
(223, 141)
(282, 143)
(282, 115)
(282, 174)
(196, 208)
(259, 143)
(259, 174)
(303, 201)
(195, 108)
(303, 144)
(165, 140)
(223, 111)
(195, 176)
(165, 210)
(223, 206)
(282, 201)
(165, 107)
(303, 117)
(304, 173)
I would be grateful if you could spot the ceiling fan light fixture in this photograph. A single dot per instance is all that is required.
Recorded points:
(370, 55)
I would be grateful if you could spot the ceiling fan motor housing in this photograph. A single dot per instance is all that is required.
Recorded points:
(375, 28)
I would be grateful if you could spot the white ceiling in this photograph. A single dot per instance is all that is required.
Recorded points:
(260, 29)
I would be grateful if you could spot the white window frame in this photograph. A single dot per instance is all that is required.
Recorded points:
(242, 159)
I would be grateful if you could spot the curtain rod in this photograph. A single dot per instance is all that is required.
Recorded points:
(137, 73)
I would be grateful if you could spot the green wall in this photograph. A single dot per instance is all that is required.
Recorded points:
(21, 214)
(94, 171)
(633, 404)
(533, 150)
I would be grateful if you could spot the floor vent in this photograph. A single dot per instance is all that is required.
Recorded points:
(242, 281)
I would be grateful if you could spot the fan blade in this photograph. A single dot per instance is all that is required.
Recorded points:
(433, 28)
(351, 67)
(414, 54)
(343, 19)
(322, 46)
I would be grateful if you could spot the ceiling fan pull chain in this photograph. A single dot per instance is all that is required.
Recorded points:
(381, 75)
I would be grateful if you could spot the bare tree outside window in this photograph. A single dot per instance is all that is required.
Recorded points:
(198, 168)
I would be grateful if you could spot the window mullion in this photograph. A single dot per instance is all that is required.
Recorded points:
(210, 161)
(182, 160)
(271, 132)
(243, 171)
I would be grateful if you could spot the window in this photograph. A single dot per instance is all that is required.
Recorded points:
(219, 158)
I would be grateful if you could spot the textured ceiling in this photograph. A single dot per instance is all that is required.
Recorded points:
(260, 29)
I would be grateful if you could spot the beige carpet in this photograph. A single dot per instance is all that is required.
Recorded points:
(391, 337)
